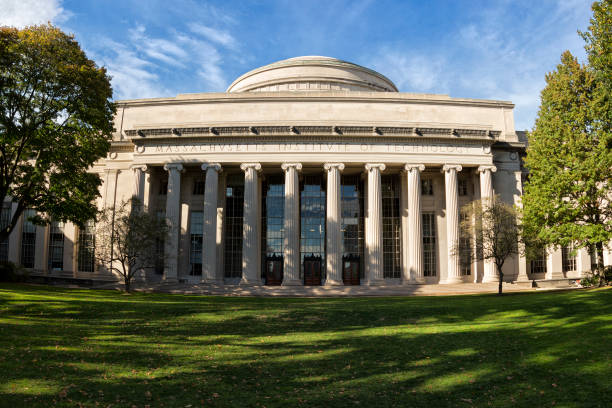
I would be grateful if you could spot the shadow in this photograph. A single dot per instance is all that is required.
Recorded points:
(80, 347)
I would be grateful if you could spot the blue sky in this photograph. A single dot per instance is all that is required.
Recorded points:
(473, 49)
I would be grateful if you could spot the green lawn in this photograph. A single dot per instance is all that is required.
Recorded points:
(89, 348)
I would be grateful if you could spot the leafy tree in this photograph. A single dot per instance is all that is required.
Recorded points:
(569, 157)
(127, 237)
(55, 122)
(490, 230)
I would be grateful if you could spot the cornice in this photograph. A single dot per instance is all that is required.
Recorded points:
(303, 132)
(315, 96)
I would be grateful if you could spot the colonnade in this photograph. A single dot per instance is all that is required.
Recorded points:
(412, 247)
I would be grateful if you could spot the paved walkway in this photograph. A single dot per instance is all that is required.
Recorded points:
(324, 291)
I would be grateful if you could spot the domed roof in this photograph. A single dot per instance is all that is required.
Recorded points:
(312, 73)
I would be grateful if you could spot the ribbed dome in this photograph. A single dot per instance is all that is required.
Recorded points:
(312, 73)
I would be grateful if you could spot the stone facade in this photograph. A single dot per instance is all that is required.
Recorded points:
(307, 171)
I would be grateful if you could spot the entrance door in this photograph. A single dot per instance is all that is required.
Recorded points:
(350, 270)
(274, 270)
(312, 270)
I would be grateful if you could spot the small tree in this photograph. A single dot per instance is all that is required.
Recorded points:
(56, 118)
(491, 231)
(127, 237)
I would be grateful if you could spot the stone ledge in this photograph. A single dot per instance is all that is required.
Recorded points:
(556, 283)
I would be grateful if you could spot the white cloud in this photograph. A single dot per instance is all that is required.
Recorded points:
(411, 71)
(218, 36)
(491, 57)
(148, 66)
(132, 77)
(21, 13)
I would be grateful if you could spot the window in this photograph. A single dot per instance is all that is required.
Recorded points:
(538, 265)
(351, 206)
(28, 239)
(462, 186)
(391, 226)
(56, 246)
(429, 244)
(427, 187)
(233, 218)
(198, 187)
(273, 228)
(87, 247)
(5, 219)
(160, 249)
(312, 231)
(465, 252)
(195, 253)
(568, 260)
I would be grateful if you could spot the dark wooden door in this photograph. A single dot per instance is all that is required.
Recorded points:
(274, 271)
(312, 270)
(350, 271)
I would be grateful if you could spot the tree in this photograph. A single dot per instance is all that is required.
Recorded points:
(567, 197)
(127, 237)
(490, 230)
(55, 121)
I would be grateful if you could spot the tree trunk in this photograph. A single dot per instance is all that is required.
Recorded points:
(600, 263)
(501, 279)
(126, 281)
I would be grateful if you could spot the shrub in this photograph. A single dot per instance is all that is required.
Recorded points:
(9, 272)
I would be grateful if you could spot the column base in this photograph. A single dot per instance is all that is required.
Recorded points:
(213, 281)
(292, 282)
(333, 282)
(489, 279)
(250, 282)
(375, 282)
(522, 278)
(452, 280)
(417, 281)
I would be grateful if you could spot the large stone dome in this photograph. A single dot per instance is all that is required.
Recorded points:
(312, 73)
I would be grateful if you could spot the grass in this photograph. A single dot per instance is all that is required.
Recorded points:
(65, 347)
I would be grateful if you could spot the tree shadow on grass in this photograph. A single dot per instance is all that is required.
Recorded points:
(171, 351)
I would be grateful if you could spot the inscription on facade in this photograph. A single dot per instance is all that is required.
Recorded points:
(314, 147)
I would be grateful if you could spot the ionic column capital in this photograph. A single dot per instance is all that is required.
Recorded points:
(174, 166)
(246, 166)
(379, 166)
(449, 167)
(215, 166)
(328, 166)
(286, 166)
(142, 167)
(484, 168)
(412, 166)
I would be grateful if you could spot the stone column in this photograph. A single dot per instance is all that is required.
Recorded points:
(333, 225)
(250, 233)
(209, 230)
(173, 217)
(415, 229)
(291, 259)
(374, 237)
(486, 195)
(140, 171)
(453, 273)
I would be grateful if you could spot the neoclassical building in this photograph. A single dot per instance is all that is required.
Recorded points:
(307, 171)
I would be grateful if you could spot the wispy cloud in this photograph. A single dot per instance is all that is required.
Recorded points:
(411, 71)
(138, 66)
(21, 13)
(220, 37)
(489, 58)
